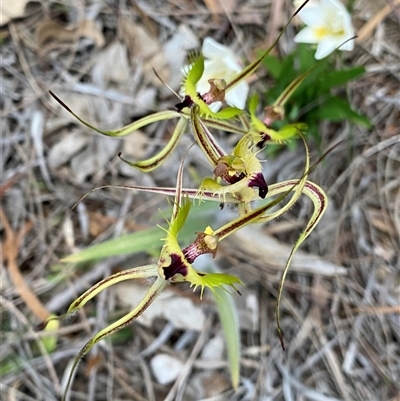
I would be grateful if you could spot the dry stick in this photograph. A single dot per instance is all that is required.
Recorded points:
(188, 365)
(396, 11)
(349, 173)
(358, 161)
(41, 95)
(6, 304)
(379, 310)
(9, 183)
(274, 22)
(331, 358)
(366, 31)
(148, 383)
(10, 252)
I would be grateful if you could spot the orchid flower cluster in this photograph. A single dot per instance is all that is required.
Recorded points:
(237, 178)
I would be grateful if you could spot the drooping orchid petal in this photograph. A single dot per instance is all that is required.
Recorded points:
(154, 290)
(204, 138)
(128, 129)
(155, 161)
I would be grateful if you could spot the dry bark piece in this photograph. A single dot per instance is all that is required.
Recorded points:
(144, 48)
(166, 368)
(67, 147)
(50, 31)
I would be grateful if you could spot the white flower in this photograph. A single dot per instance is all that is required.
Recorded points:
(221, 63)
(328, 25)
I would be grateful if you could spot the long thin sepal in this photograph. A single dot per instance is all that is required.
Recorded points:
(204, 138)
(224, 126)
(254, 65)
(130, 274)
(296, 185)
(155, 161)
(152, 293)
(290, 89)
(320, 202)
(128, 129)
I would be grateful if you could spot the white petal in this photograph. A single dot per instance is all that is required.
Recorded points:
(215, 106)
(306, 35)
(335, 4)
(202, 86)
(313, 15)
(214, 68)
(232, 64)
(325, 47)
(348, 46)
(238, 95)
(212, 49)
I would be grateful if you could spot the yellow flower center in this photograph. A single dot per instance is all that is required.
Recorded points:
(321, 32)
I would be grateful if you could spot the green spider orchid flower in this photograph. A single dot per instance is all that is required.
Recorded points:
(218, 89)
(174, 265)
(241, 171)
(242, 195)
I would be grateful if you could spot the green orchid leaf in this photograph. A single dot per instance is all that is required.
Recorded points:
(140, 241)
(340, 77)
(155, 161)
(230, 325)
(338, 109)
(147, 240)
(273, 65)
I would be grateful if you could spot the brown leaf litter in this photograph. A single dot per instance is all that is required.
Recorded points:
(341, 304)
